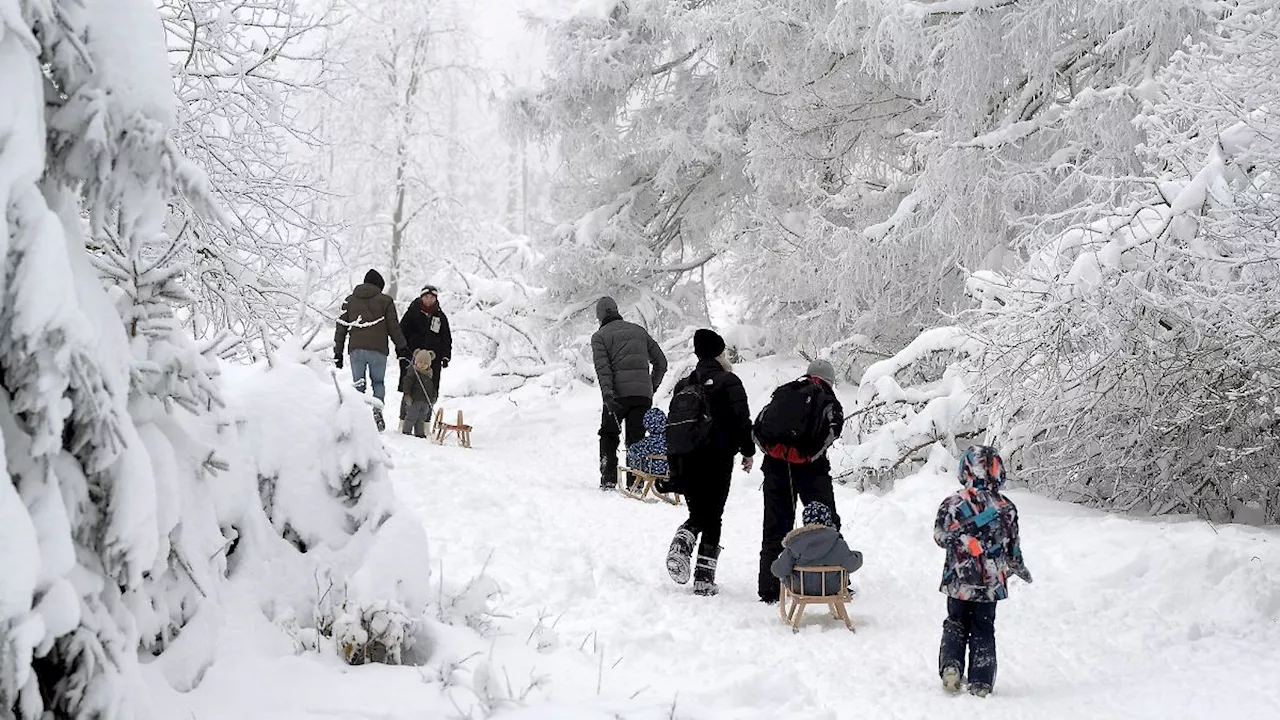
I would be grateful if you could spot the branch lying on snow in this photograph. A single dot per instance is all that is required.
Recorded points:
(531, 371)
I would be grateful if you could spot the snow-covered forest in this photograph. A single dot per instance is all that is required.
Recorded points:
(1050, 226)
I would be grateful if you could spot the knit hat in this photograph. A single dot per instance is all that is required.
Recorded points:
(823, 370)
(429, 289)
(606, 307)
(374, 278)
(815, 513)
(426, 356)
(707, 345)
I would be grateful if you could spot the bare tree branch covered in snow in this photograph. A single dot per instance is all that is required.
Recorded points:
(840, 160)
(242, 73)
(1130, 362)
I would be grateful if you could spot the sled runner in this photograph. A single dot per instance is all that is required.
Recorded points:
(440, 429)
(792, 601)
(645, 484)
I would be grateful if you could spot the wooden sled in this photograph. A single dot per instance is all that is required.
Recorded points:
(791, 604)
(645, 485)
(440, 429)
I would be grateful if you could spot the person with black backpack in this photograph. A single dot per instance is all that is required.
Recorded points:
(708, 424)
(794, 430)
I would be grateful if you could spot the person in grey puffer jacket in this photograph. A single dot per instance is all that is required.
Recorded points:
(629, 368)
(817, 542)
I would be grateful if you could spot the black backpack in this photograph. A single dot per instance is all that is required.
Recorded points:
(689, 422)
(796, 424)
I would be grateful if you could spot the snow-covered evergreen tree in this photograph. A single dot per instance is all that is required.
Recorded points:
(134, 492)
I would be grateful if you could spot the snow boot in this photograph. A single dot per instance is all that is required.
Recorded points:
(377, 420)
(704, 575)
(680, 555)
(608, 465)
(980, 690)
(951, 679)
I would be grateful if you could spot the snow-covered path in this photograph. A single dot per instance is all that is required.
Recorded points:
(1128, 618)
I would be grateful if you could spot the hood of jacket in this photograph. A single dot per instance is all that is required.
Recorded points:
(365, 291)
(811, 541)
(655, 421)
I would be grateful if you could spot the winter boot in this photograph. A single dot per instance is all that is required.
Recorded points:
(951, 679)
(377, 419)
(680, 554)
(704, 575)
(608, 464)
(980, 690)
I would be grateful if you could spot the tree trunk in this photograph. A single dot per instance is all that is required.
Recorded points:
(397, 219)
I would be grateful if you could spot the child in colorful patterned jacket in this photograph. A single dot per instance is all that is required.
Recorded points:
(978, 527)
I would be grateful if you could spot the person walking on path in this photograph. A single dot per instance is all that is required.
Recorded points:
(794, 430)
(421, 392)
(629, 368)
(978, 527)
(426, 327)
(369, 318)
(708, 425)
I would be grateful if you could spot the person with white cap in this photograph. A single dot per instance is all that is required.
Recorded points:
(801, 421)
(426, 327)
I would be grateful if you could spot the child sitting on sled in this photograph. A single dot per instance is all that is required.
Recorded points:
(655, 443)
(817, 542)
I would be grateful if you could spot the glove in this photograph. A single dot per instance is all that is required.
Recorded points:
(337, 360)
(444, 362)
(1021, 571)
(613, 406)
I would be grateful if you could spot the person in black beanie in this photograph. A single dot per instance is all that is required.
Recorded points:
(369, 317)
(703, 475)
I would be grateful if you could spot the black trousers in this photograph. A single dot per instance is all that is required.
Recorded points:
(704, 479)
(783, 484)
(972, 625)
(631, 418)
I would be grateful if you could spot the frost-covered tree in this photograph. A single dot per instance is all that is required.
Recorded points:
(243, 73)
(841, 161)
(646, 190)
(393, 122)
(1132, 359)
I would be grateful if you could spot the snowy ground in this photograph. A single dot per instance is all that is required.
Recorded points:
(1129, 618)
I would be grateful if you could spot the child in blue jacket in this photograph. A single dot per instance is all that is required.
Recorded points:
(655, 443)
(978, 527)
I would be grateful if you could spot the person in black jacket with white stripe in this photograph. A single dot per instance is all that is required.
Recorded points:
(703, 476)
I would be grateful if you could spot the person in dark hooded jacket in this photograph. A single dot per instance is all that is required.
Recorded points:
(703, 476)
(629, 368)
(369, 319)
(426, 327)
(815, 543)
(809, 481)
